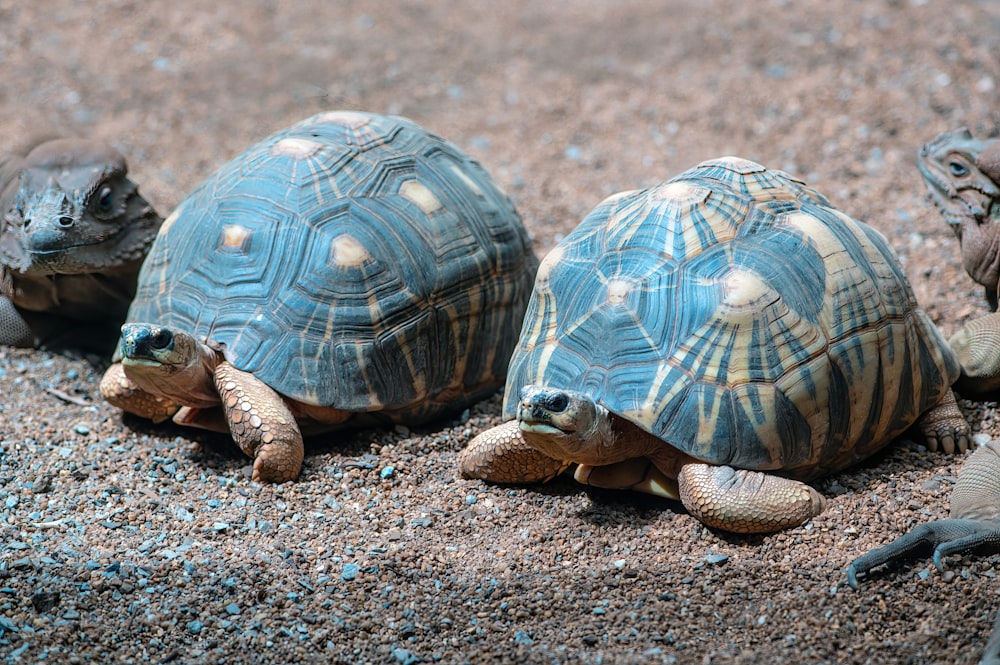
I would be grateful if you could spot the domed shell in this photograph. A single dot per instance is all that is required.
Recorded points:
(353, 261)
(733, 313)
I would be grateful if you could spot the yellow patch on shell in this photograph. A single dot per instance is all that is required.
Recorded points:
(418, 194)
(169, 221)
(348, 252)
(680, 193)
(344, 118)
(551, 260)
(296, 148)
(815, 228)
(736, 164)
(235, 236)
(618, 290)
(743, 289)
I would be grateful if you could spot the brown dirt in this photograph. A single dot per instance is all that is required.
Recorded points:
(123, 542)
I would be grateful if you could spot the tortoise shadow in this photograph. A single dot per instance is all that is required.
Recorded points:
(216, 452)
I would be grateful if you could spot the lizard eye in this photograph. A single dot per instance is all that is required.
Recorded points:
(958, 169)
(105, 199)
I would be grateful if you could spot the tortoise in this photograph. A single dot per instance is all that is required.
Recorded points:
(352, 269)
(73, 233)
(719, 338)
(962, 174)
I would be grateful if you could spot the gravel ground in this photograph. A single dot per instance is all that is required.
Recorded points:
(125, 542)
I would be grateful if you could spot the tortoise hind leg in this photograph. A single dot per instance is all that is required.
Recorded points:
(261, 424)
(945, 427)
(746, 501)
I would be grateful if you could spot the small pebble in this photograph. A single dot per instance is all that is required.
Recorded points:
(387, 472)
(232, 609)
(406, 657)
(349, 572)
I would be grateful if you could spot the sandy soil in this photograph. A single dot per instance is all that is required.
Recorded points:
(124, 542)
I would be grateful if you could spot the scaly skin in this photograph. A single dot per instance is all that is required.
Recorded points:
(555, 428)
(962, 176)
(976, 346)
(118, 390)
(73, 232)
(974, 523)
(162, 370)
(502, 455)
(261, 424)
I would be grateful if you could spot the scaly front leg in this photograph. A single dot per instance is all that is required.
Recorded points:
(261, 424)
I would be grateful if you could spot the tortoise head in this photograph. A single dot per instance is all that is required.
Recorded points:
(77, 211)
(962, 174)
(568, 425)
(169, 364)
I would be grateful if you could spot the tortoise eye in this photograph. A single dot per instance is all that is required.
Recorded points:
(161, 339)
(958, 169)
(557, 403)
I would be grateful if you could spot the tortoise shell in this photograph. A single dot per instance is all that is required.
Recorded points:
(733, 313)
(352, 261)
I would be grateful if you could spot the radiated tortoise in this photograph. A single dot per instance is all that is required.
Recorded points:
(719, 338)
(350, 269)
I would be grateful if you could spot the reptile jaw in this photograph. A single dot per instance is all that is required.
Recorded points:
(541, 429)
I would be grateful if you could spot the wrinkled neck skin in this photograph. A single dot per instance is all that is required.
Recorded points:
(981, 250)
(189, 381)
(609, 439)
(962, 175)
(593, 445)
